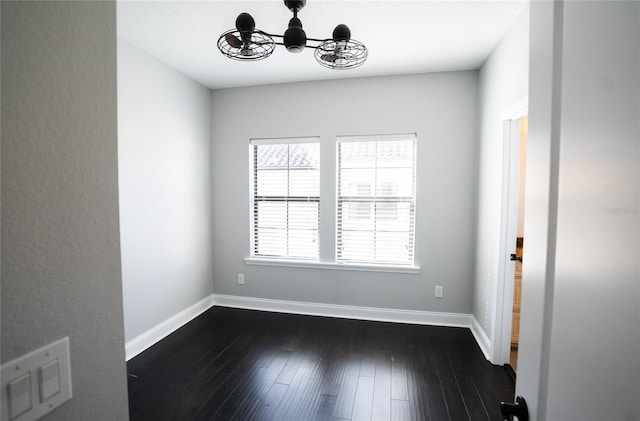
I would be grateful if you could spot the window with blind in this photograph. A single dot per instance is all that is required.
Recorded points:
(376, 200)
(285, 198)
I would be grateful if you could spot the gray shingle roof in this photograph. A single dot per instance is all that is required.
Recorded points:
(295, 155)
(306, 155)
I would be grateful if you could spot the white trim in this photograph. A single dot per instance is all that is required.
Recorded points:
(164, 329)
(481, 338)
(346, 312)
(332, 266)
(501, 332)
(517, 110)
(284, 140)
(503, 304)
(376, 137)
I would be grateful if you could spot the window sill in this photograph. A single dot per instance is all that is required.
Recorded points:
(333, 266)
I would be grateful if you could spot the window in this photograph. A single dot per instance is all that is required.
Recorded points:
(376, 200)
(285, 198)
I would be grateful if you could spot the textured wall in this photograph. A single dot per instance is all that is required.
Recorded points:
(164, 159)
(60, 243)
(441, 108)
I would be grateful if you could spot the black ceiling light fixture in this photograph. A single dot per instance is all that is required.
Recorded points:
(246, 43)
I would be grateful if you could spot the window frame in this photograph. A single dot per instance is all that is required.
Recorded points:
(374, 200)
(253, 204)
(320, 263)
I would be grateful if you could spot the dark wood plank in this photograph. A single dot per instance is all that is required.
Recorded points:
(231, 364)
(182, 393)
(266, 377)
(448, 380)
(270, 403)
(325, 407)
(470, 396)
(348, 381)
(301, 398)
(382, 388)
(459, 362)
(242, 384)
(399, 385)
(417, 389)
(335, 365)
(363, 403)
(400, 410)
(368, 364)
(289, 370)
(430, 373)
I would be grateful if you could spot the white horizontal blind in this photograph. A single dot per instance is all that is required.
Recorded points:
(286, 199)
(376, 200)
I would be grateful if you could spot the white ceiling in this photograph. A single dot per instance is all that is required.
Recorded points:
(402, 37)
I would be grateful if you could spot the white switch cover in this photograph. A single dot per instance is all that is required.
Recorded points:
(36, 383)
(49, 380)
(240, 279)
(439, 291)
(20, 396)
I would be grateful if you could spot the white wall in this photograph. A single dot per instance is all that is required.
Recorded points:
(165, 189)
(503, 82)
(440, 108)
(60, 244)
(585, 277)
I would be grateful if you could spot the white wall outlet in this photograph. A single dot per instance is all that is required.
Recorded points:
(36, 383)
(439, 291)
(241, 279)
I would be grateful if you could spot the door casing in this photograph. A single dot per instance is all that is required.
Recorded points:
(501, 331)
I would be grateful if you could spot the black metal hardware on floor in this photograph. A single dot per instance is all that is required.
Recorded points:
(518, 410)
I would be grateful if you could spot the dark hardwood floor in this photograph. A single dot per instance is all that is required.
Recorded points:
(231, 364)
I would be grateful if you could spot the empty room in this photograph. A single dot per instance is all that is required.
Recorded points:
(320, 210)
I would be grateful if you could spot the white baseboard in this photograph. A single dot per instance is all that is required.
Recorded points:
(481, 338)
(157, 333)
(432, 318)
(345, 312)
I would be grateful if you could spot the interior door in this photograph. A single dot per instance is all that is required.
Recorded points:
(579, 336)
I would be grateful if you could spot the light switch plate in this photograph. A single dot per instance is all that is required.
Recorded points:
(48, 374)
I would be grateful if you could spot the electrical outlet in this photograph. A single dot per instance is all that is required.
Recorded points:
(240, 279)
(439, 291)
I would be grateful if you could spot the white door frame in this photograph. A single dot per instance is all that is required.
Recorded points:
(502, 314)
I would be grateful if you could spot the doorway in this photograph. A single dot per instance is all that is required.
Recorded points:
(519, 245)
(514, 236)
(506, 322)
